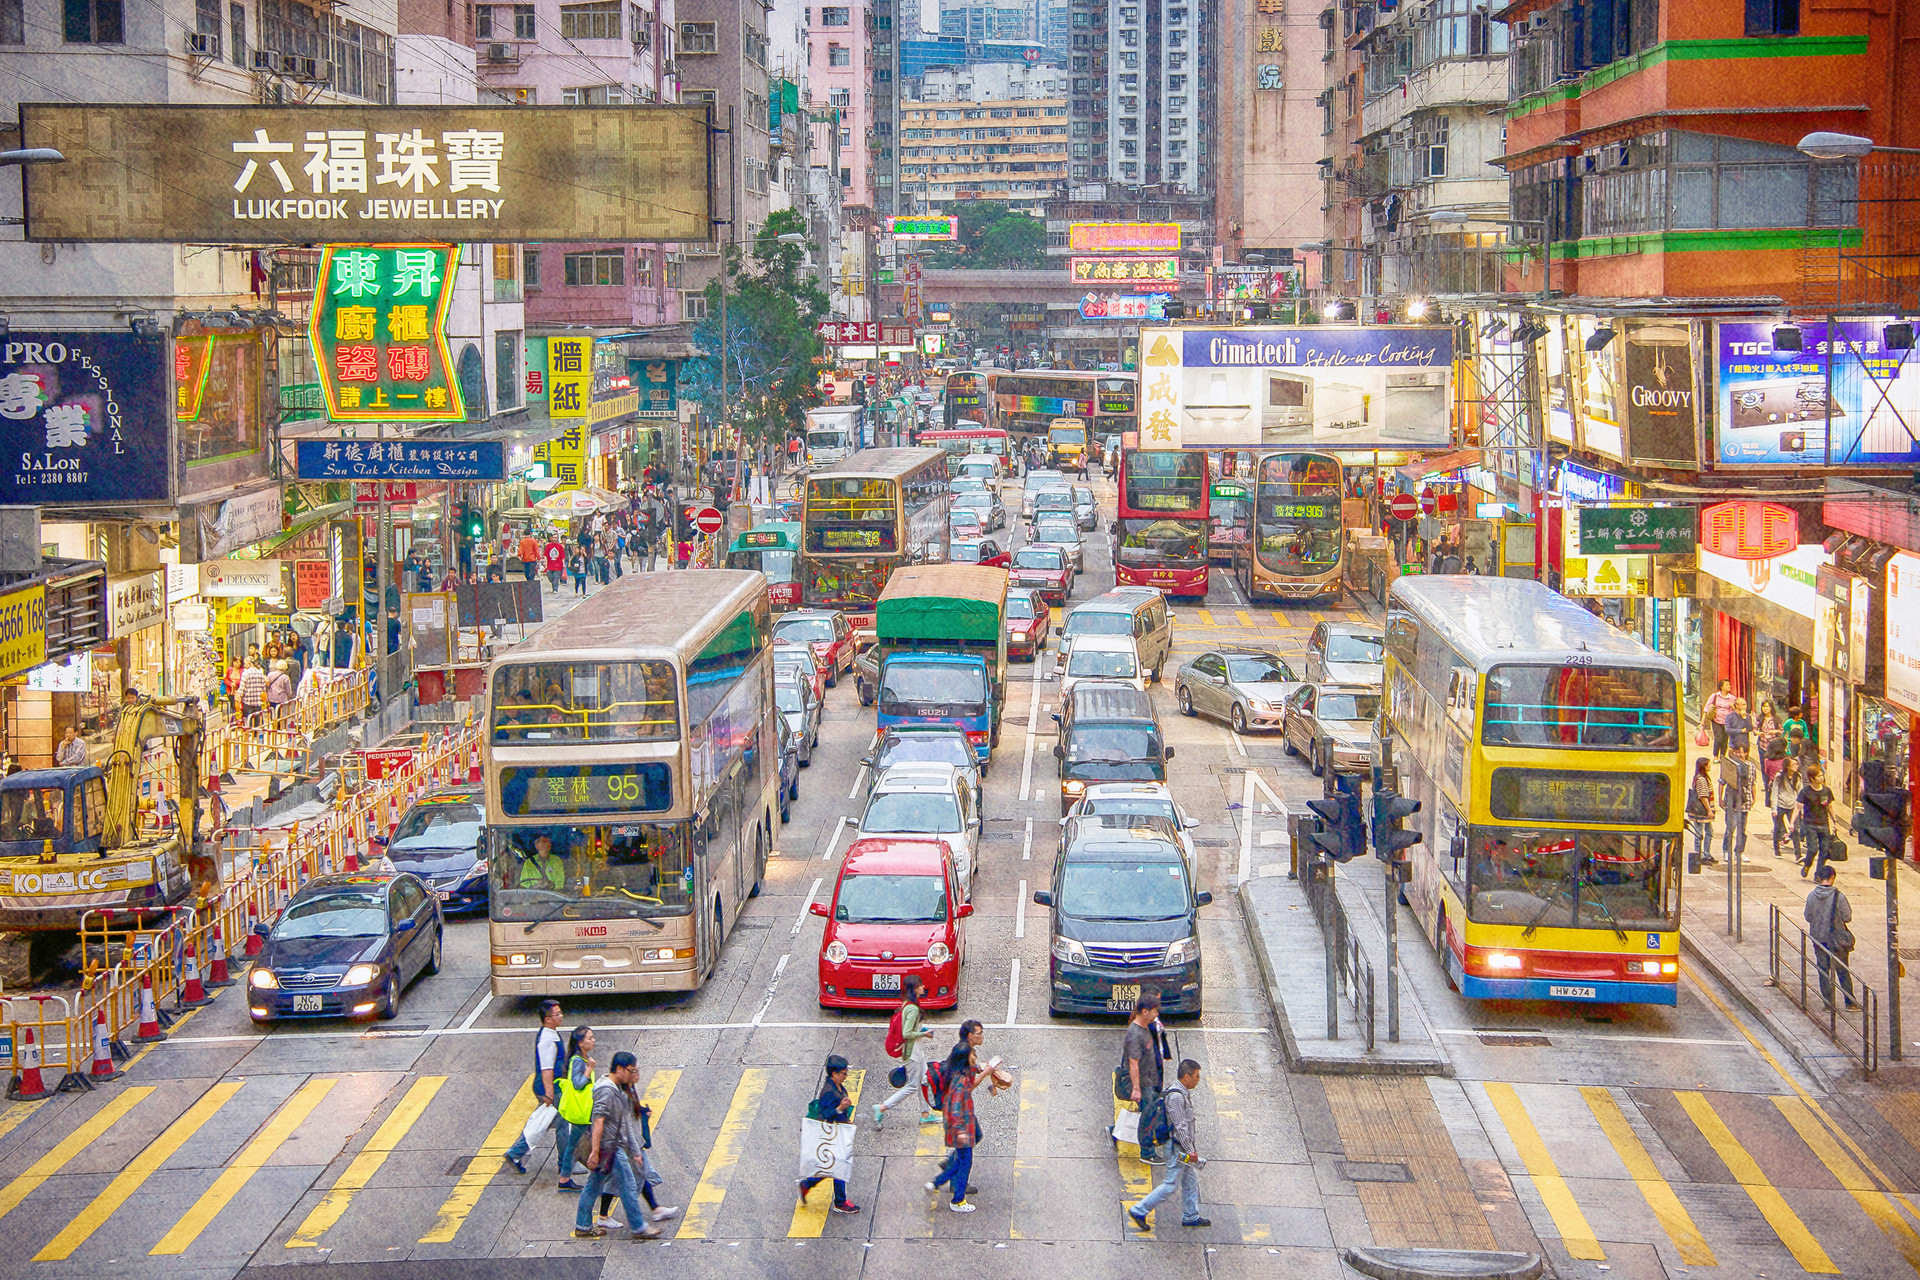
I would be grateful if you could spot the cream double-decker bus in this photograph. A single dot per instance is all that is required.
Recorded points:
(632, 777)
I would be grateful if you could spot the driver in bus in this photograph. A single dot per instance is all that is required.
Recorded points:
(543, 868)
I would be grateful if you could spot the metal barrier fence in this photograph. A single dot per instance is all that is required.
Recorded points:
(1349, 972)
(1853, 1022)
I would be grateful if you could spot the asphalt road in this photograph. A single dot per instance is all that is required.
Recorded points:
(1624, 1143)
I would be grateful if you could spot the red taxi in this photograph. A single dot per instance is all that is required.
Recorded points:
(828, 636)
(1027, 617)
(977, 550)
(1043, 568)
(896, 910)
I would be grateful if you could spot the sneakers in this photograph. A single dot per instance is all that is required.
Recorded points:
(519, 1166)
(647, 1233)
(1196, 1222)
(1152, 1157)
(961, 1206)
(879, 1115)
(1139, 1219)
(568, 1186)
(589, 1233)
(606, 1222)
(845, 1207)
(931, 1117)
(664, 1212)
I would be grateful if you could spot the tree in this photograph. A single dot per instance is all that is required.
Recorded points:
(991, 236)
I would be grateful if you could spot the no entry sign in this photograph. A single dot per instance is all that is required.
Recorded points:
(1403, 506)
(707, 519)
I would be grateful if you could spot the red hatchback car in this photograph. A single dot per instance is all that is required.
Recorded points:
(1027, 618)
(825, 632)
(1044, 569)
(896, 910)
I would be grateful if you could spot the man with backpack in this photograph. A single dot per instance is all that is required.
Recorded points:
(1184, 1161)
(549, 1059)
(1141, 1055)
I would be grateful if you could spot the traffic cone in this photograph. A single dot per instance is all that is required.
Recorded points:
(254, 941)
(27, 1086)
(217, 975)
(103, 1067)
(473, 766)
(326, 858)
(352, 861)
(149, 1015)
(193, 993)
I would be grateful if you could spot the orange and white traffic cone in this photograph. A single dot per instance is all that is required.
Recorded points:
(352, 860)
(473, 766)
(103, 1066)
(217, 975)
(193, 993)
(255, 943)
(27, 1085)
(149, 1030)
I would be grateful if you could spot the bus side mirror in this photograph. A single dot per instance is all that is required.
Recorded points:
(1169, 753)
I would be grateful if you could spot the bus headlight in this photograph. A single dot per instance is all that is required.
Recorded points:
(1503, 960)
(938, 953)
(836, 952)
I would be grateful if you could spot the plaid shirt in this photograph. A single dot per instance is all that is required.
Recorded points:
(963, 1128)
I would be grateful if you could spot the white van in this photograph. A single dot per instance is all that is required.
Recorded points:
(1104, 658)
(1139, 612)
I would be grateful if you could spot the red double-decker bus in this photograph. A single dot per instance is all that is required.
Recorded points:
(1161, 530)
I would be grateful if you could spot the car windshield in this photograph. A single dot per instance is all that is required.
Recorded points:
(804, 629)
(1349, 706)
(1257, 670)
(335, 913)
(1352, 648)
(1019, 605)
(1039, 558)
(967, 484)
(1124, 890)
(960, 522)
(911, 813)
(1085, 661)
(1056, 531)
(799, 666)
(1111, 743)
(966, 551)
(788, 697)
(1098, 622)
(978, 500)
(878, 899)
(940, 748)
(439, 824)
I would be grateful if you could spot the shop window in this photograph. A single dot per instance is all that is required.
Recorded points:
(13, 22)
(1773, 17)
(506, 368)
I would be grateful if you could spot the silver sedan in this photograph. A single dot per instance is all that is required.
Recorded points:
(1332, 725)
(1245, 687)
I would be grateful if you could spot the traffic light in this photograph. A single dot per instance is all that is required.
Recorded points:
(471, 521)
(1339, 834)
(1880, 819)
(1391, 839)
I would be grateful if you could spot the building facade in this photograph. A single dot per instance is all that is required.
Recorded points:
(988, 132)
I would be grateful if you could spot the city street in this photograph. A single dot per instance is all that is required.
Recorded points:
(1626, 1143)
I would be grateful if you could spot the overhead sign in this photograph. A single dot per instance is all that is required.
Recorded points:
(1903, 630)
(1147, 271)
(83, 417)
(569, 377)
(1661, 409)
(1107, 237)
(23, 629)
(1123, 306)
(401, 491)
(867, 333)
(253, 579)
(401, 460)
(135, 601)
(1790, 580)
(71, 674)
(312, 583)
(329, 174)
(924, 228)
(1618, 531)
(1858, 406)
(1338, 386)
(1749, 530)
(378, 331)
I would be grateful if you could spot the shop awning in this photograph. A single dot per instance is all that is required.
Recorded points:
(1440, 464)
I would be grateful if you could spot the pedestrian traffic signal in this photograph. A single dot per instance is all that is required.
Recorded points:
(1880, 819)
(472, 522)
(1391, 839)
(1339, 834)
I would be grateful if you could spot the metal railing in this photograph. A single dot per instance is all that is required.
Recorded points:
(1852, 1022)
(1349, 972)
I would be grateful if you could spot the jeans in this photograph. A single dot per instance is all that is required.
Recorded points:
(623, 1179)
(1825, 961)
(1184, 1176)
(957, 1173)
(916, 1080)
(1816, 846)
(1702, 842)
(529, 569)
(1719, 740)
(553, 577)
(839, 1187)
(568, 1135)
(1734, 842)
(1783, 825)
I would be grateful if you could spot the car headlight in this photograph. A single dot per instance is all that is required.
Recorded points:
(478, 871)
(836, 952)
(938, 953)
(1067, 951)
(263, 980)
(1073, 787)
(360, 975)
(1185, 951)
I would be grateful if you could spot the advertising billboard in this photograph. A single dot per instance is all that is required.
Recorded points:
(1787, 408)
(1143, 272)
(378, 330)
(1123, 306)
(84, 417)
(1124, 237)
(1339, 386)
(336, 174)
(1903, 630)
(924, 228)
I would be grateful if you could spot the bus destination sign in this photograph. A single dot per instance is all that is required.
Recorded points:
(1549, 795)
(644, 787)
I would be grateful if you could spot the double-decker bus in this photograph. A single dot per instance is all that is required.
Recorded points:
(1298, 540)
(632, 777)
(1025, 404)
(862, 519)
(968, 397)
(773, 551)
(1545, 749)
(1161, 527)
(966, 441)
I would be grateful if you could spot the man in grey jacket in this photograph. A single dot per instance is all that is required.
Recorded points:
(1828, 915)
(1183, 1160)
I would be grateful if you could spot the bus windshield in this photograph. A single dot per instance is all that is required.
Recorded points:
(777, 565)
(1163, 542)
(849, 514)
(585, 701)
(834, 438)
(843, 584)
(1585, 707)
(1164, 480)
(1573, 879)
(1296, 514)
(589, 872)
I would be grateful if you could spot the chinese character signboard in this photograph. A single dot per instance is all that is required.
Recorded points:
(1149, 272)
(567, 458)
(1618, 531)
(378, 330)
(849, 332)
(472, 460)
(23, 629)
(312, 584)
(135, 601)
(337, 174)
(1861, 408)
(658, 384)
(83, 417)
(1106, 237)
(1123, 306)
(924, 228)
(569, 377)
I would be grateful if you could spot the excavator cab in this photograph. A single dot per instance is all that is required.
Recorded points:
(66, 806)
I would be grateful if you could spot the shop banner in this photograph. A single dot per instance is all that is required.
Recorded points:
(1903, 631)
(401, 460)
(1147, 272)
(378, 330)
(135, 601)
(193, 617)
(1126, 237)
(567, 458)
(1371, 386)
(183, 582)
(239, 522)
(1855, 406)
(249, 579)
(1660, 394)
(1617, 531)
(658, 381)
(1124, 306)
(71, 674)
(1790, 580)
(312, 584)
(569, 377)
(23, 629)
(85, 416)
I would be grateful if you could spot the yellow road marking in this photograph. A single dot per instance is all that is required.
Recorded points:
(138, 1170)
(1667, 1209)
(1136, 1175)
(79, 1140)
(481, 1169)
(931, 1144)
(704, 1205)
(659, 1091)
(1030, 1140)
(810, 1215)
(1773, 1206)
(367, 1163)
(1575, 1234)
(1241, 614)
(1226, 1109)
(256, 1153)
(1206, 617)
(16, 1115)
(1853, 1178)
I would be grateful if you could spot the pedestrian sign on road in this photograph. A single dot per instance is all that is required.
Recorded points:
(707, 519)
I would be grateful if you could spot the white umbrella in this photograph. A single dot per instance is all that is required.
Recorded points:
(575, 502)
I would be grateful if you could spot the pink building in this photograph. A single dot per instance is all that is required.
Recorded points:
(840, 74)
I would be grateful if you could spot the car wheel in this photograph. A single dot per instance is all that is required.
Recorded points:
(786, 809)
(866, 694)
(1318, 765)
(1154, 675)
(1239, 718)
(1286, 744)
(806, 757)
(437, 954)
(1054, 1010)
(1186, 701)
(389, 1006)
(833, 677)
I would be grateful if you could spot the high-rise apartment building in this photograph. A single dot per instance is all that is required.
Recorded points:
(722, 56)
(1159, 94)
(840, 78)
(993, 131)
(1267, 192)
(978, 20)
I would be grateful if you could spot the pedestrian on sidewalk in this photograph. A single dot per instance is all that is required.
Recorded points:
(529, 553)
(549, 1059)
(1183, 1161)
(577, 567)
(961, 1076)
(1796, 725)
(1739, 726)
(1700, 815)
(1828, 913)
(1143, 1053)
(1773, 758)
(575, 1086)
(1714, 713)
(615, 1151)
(1816, 806)
(554, 553)
(831, 1107)
(253, 687)
(1736, 799)
(1786, 798)
(907, 1038)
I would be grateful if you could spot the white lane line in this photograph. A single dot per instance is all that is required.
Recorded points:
(1013, 995)
(1104, 1028)
(806, 907)
(1026, 849)
(1026, 771)
(478, 1010)
(839, 825)
(1279, 805)
(858, 774)
(1239, 743)
(1246, 828)
(1020, 914)
(773, 987)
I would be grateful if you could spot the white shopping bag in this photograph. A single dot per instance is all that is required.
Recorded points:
(826, 1150)
(539, 1122)
(1126, 1127)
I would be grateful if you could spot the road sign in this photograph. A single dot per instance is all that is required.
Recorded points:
(707, 519)
(1403, 506)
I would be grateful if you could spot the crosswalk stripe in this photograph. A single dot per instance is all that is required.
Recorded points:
(1852, 1177)
(810, 1215)
(138, 1170)
(928, 1146)
(704, 1205)
(1667, 1209)
(1030, 1140)
(291, 1115)
(367, 1163)
(79, 1140)
(484, 1166)
(1575, 1234)
(1136, 1175)
(1745, 1169)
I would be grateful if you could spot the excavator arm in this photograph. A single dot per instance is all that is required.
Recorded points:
(176, 719)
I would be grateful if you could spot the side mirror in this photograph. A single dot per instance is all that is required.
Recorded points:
(818, 908)
(1043, 897)
(1059, 752)
(867, 761)
(962, 911)
(1202, 898)
(1063, 821)
(404, 926)
(1169, 753)
(1056, 717)
(1060, 631)
(262, 930)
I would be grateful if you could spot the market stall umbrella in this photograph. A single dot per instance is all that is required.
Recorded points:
(576, 502)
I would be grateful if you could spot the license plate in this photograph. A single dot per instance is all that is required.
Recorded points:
(306, 1004)
(443, 894)
(886, 982)
(1121, 997)
(590, 984)
(1574, 993)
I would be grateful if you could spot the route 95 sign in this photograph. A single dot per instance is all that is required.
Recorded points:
(23, 630)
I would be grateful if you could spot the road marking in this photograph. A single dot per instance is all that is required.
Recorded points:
(773, 986)
(1667, 1209)
(17, 1114)
(839, 825)
(291, 1115)
(1239, 743)
(1853, 1178)
(1575, 1235)
(1578, 1035)
(1745, 1169)
(704, 1205)
(134, 1176)
(1026, 848)
(858, 774)
(1136, 1176)
(1020, 914)
(1206, 618)
(480, 1171)
(806, 908)
(1013, 995)
(749, 1025)
(477, 1011)
(931, 1142)
(367, 1163)
(1026, 770)
(1241, 614)
(1246, 829)
(1029, 1144)
(72, 1145)
(810, 1215)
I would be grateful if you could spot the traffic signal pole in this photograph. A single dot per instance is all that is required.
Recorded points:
(1386, 857)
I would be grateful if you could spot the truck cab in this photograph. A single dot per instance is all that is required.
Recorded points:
(53, 859)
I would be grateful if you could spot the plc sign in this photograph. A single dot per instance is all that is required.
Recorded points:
(1749, 530)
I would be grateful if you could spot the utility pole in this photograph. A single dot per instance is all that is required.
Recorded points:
(726, 253)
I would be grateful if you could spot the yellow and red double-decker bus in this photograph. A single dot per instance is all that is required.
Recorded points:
(1161, 525)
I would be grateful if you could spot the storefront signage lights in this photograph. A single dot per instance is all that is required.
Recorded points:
(1749, 530)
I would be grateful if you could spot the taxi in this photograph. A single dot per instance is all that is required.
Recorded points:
(1027, 618)
(1045, 569)
(827, 635)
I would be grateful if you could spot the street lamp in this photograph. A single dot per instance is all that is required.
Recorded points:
(32, 155)
(1846, 146)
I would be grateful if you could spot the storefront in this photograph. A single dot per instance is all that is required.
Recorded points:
(1759, 630)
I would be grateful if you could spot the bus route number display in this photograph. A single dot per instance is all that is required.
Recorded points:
(1546, 795)
(1162, 502)
(850, 539)
(1299, 511)
(586, 788)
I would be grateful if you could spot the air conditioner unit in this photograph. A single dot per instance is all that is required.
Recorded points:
(497, 53)
(288, 64)
(318, 70)
(202, 45)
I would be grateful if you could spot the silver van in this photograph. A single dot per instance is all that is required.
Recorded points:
(1140, 612)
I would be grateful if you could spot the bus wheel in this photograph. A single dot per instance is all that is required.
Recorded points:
(1442, 951)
